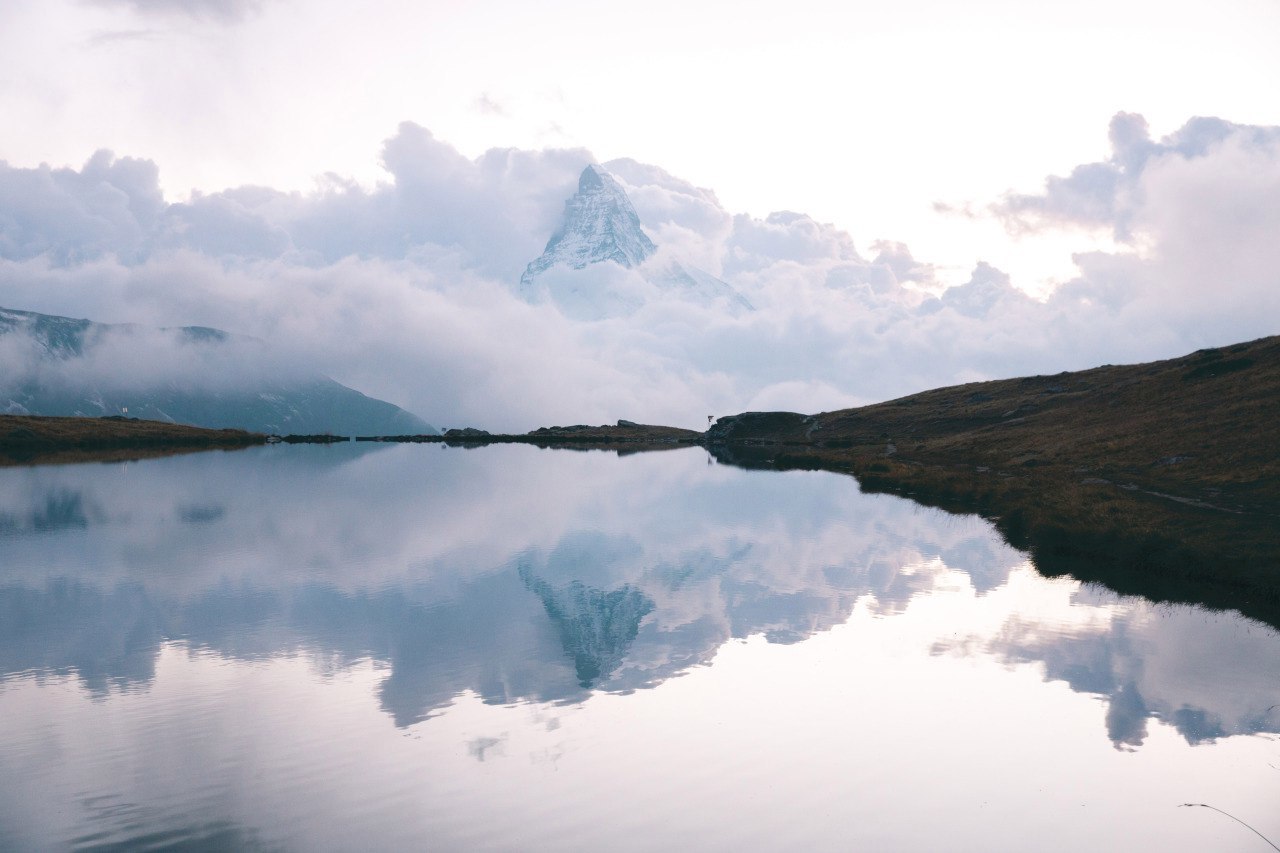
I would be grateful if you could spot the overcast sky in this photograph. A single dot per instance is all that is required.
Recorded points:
(861, 114)
(409, 158)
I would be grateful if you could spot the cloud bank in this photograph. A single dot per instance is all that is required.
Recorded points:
(226, 11)
(406, 290)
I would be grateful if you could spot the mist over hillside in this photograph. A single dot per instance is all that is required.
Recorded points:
(62, 366)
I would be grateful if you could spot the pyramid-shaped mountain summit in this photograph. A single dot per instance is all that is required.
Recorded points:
(600, 224)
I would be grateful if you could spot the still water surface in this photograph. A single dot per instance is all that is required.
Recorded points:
(415, 647)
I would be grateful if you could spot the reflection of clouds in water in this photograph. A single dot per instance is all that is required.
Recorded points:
(1209, 675)
(619, 575)
(524, 575)
(109, 637)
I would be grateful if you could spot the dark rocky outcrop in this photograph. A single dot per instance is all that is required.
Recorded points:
(466, 432)
(770, 427)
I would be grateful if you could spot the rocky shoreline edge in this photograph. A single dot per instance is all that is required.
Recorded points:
(624, 435)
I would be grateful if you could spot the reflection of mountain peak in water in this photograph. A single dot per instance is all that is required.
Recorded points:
(598, 610)
(596, 627)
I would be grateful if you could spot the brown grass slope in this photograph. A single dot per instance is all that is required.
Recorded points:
(1160, 478)
(26, 438)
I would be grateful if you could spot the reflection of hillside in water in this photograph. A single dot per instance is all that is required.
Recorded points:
(57, 509)
(523, 575)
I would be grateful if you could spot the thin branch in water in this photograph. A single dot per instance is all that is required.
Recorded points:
(1233, 817)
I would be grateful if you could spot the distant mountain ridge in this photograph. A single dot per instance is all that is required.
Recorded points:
(310, 404)
(66, 336)
(601, 224)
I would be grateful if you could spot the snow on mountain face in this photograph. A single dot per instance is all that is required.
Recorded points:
(58, 337)
(600, 224)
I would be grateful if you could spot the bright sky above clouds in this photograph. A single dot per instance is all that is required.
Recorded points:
(861, 114)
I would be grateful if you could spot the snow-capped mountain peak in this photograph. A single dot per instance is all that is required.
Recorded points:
(600, 224)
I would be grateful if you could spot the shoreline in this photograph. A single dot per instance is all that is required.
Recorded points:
(624, 436)
(1159, 479)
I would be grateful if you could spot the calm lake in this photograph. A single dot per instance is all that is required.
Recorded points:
(413, 647)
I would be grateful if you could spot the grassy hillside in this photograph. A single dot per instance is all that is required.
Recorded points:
(26, 438)
(1160, 478)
